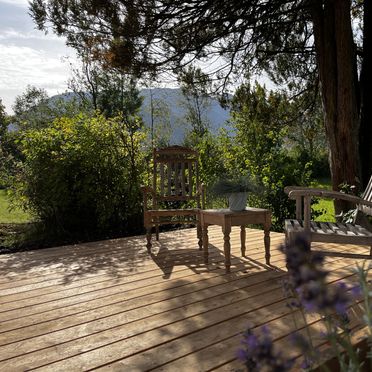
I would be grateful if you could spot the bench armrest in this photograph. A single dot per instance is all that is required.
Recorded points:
(306, 193)
(320, 193)
(289, 189)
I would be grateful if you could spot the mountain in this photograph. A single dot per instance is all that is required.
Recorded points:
(169, 112)
(169, 108)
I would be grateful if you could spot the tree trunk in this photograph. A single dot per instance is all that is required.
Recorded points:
(365, 132)
(336, 60)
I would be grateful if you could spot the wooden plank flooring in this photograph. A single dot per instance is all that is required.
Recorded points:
(110, 306)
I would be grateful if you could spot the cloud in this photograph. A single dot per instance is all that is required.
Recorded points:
(20, 3)
(28, 56)
(22, 66)
(10, 34)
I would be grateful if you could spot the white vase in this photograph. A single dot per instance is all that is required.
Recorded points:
(238, 201)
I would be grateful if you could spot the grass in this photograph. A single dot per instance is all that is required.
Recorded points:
(13, 224)
(10, 216)
(324, 207)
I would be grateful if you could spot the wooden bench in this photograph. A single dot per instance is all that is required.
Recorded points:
(328, 232)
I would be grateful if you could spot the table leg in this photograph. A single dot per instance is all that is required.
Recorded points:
(205, 243)
(242, 240)
(148, 238)
(226, 246)
(267, 226)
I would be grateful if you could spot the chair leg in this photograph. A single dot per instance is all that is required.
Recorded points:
(370, 251)
(199, 234)
(148, 238)
(157, 232)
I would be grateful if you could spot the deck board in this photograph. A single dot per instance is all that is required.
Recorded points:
(110, 306)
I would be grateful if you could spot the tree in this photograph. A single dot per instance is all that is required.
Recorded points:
(108, 90)
(9, 149)
(306, 137)
(3, 152)
(160, 118)
(293, 40)
(260, 148)
(3, 121)
(35, 109)
(195, 86)
(31, 108)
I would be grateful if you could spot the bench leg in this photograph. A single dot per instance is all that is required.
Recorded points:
(157, 230)
(267, 226)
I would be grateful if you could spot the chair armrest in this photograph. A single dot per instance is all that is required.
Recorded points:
(147, 190)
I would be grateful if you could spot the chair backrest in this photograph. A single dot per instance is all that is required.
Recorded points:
(176, 175)
(367, 195)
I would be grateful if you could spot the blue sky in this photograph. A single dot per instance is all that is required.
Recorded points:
(28, 56)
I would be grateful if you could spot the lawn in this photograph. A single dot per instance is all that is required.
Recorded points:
(324, 206)
(15, 215)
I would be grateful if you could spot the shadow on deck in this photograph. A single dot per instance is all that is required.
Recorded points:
(109, 305)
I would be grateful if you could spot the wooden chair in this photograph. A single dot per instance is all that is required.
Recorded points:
(343, 233)
(176, 194)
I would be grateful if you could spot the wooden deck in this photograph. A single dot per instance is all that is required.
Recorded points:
(110, 306)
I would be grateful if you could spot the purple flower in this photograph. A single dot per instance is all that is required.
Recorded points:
(259, 353)
(307, 280)
(356, 290)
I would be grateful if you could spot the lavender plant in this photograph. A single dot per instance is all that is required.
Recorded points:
(258, 353)
(307, 291)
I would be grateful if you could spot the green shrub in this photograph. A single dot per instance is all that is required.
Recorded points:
(82, 175)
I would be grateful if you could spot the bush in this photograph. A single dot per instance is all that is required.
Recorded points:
(82, 175)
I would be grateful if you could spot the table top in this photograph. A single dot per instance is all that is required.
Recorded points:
(227, 211)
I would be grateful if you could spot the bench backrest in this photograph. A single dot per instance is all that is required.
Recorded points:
(367, 195)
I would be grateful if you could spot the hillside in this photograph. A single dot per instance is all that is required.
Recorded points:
(169, 112)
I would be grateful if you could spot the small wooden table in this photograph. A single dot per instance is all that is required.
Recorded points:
(227, 218)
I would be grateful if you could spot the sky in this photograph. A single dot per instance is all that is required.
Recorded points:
(28, 56)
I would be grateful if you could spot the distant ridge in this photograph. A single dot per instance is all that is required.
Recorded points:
(169, 110)
(171, 101)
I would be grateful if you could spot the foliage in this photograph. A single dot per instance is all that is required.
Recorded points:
(229, 185)
(195, 86)
(160, 120)
(110, 91)
(145, 37)
(31, 108)
(308, 292)
(297, 43)
(35, 109)
(261, 122)
(322, 209)
(83, 174)
(9, 154)
(305, 135)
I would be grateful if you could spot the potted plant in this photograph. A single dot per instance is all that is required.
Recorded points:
(236, 189)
